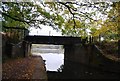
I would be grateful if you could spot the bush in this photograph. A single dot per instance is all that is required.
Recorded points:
(61, 68)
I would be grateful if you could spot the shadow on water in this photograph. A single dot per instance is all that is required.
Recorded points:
(56, 75)
(79, 71)
(76, 74)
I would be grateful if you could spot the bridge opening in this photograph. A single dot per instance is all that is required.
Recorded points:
(52, 54)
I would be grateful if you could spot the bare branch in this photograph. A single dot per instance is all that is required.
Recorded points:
(69, 8)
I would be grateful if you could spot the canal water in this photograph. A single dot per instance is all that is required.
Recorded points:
(53, 54)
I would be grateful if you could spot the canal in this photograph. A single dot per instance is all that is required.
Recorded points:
(52, 54)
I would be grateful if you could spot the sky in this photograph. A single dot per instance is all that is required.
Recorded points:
(45, 30)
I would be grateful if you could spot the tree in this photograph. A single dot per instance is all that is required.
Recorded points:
(110, 27)
(72, 18)
(76, 13)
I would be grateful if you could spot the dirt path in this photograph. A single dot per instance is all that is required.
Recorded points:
(24, 68)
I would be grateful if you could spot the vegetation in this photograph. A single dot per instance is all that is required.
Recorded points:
(61, 68)
(110, 49)
(72, 18)
(81, 19)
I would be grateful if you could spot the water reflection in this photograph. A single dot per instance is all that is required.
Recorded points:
(53, 60)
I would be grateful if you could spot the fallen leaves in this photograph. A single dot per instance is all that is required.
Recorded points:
(19, 69)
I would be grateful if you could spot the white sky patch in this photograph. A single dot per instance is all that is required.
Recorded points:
(46, 30)
(88, 31)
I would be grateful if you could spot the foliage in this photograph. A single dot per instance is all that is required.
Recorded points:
(110, 49)
(109, 28)
(71, 18)
(94, 17)
(61, 68)
(79, 30)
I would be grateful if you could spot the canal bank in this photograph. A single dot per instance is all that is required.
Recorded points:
(28, 68)
(40, 70)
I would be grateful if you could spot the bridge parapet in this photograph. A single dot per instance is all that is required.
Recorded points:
(57, 40)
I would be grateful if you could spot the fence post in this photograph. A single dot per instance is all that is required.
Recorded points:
(24, 48)
(90, 40)
(118, 48)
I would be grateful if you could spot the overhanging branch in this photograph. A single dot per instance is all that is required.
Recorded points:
(16, 19)
(69, 8)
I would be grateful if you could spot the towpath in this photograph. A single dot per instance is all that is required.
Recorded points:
(32, 67)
